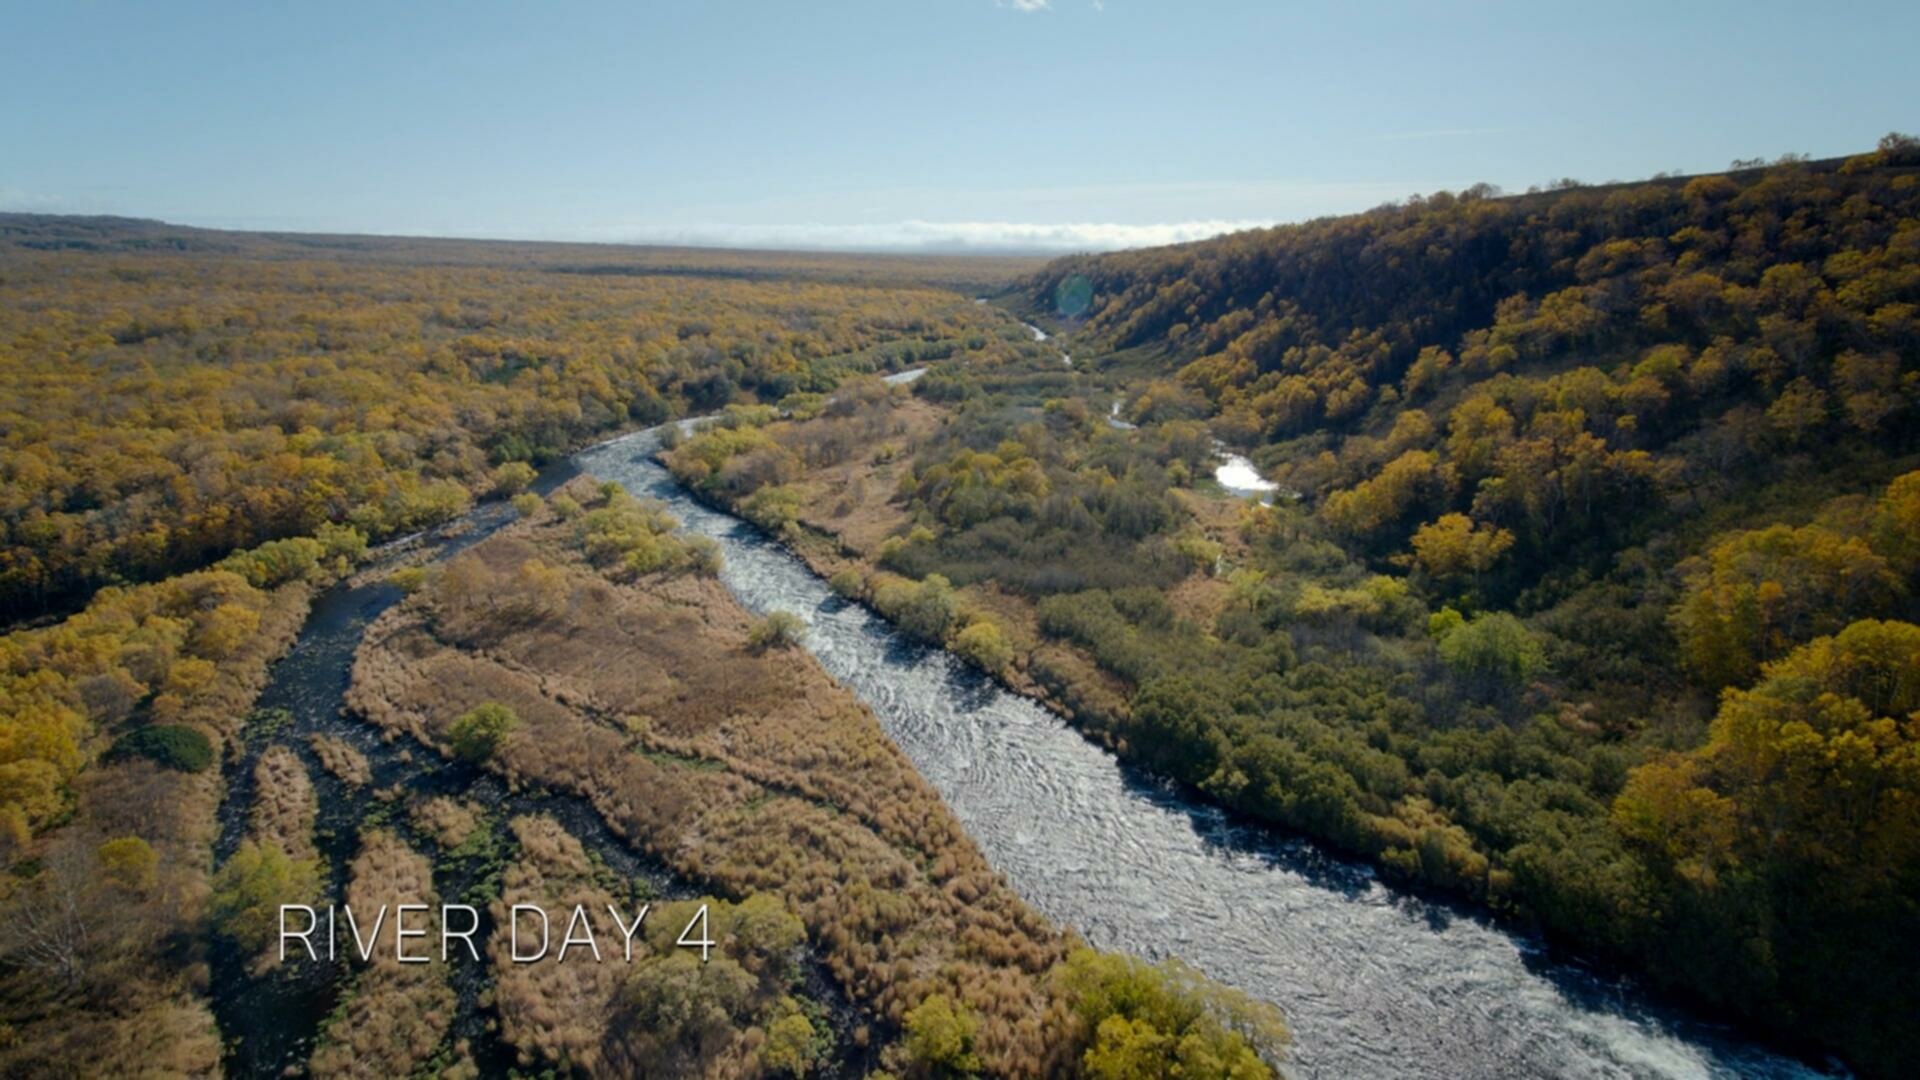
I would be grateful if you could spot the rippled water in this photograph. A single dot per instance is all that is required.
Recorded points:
(1374, 982)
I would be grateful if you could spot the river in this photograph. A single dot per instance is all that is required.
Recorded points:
(1374, 981)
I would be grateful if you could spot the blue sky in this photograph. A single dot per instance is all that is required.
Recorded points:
(884, 123)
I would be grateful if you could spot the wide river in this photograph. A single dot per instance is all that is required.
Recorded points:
(1374, 981)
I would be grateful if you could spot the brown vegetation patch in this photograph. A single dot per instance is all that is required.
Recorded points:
(750, 769)
(396, 1014)
(1199, 599)
(284, 806)
(552, 1011)
(448, 822)
(854, 500)
(339, 757)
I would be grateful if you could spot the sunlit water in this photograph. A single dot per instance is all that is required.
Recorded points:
(1238, 475)
(1041, 335)
(1374, 982)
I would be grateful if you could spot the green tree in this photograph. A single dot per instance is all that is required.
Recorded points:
(1757, 594)
(176, 746)
(481, 730)
(1453, 546)
(1493, 648)
(250, 887)
(1822, 757)
(789, 1049)
(940, 1035)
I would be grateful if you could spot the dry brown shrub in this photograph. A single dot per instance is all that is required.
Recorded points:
(284, 806)
(446, 821)
(550, 1011)
(339, 757)
(396, 1015)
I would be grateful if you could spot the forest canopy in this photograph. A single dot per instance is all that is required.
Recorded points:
(159, 410)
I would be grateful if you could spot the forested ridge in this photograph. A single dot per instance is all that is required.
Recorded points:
(106, 235)
(1589, 593)
(1598, 596)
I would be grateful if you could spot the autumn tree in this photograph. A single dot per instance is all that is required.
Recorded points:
(1757, 594)
(1815, 769)
(1454, 546)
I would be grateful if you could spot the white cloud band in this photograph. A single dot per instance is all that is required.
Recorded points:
(930, 235)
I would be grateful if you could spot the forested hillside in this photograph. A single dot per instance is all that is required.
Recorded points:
(1589, 593)
(1592, 586)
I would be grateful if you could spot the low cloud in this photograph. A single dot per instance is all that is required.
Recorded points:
(929, 235)
(20, 200)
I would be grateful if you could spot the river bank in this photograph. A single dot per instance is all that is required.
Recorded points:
(1377, 980)
(735, 763)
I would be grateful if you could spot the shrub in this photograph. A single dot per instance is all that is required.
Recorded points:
(849, 583)
(1493, 646)
(526, 504)
(633, 535)
(277, 562)
(513, 477)
(1141, 1019)
(251, 886)
(704, 555)
(129, 862)
(927, 610)
(477, 734)
(408, 579)
(1203, 553)
(940, 1034)
(773, 508)
(175, 746)
(779, 630)
(983, 643)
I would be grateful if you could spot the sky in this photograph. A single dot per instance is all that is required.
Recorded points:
(904, 124)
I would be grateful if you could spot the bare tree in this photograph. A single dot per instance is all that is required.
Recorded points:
(49, 927)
